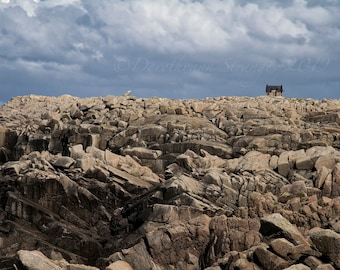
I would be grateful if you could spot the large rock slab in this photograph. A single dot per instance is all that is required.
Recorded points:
(119, 265)
(36, 260)
(328, 243)
(276, 224)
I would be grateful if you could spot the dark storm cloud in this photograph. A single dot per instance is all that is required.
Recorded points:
(177, 49)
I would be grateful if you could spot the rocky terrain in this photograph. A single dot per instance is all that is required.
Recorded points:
(228, 183)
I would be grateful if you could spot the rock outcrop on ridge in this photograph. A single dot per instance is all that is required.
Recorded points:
(228, 183)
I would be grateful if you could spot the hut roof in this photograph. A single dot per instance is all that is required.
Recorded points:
(270, 88)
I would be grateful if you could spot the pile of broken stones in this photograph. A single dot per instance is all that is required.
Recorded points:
(227, 183)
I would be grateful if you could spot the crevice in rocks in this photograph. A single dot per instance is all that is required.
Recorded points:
(127, 174)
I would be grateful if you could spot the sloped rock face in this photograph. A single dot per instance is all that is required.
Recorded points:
(129, 183)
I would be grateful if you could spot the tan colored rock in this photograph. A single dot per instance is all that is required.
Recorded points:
(282, 247)
(317, 151)
(36, 260)
(269, 260)
(236, 234)
(335, 224)
(63, 162)
(283, 164)
(327, 266)
(112, 159)
(98, 173)
(336, 181)
(304, 162)
(328, 243)
(231, 164)
(15, 167)
(325, 161)
(297, 189)
(162, 244)
(243, 264)
(276, 223)
(199, 106)
(164, 213)
(3, 137)
(254, 161)
(86, 163)
(142, 153)
(213, 268)
(299, 266)
(71, 266)
(327, 186)
(212, 177)
(324, 174)
(119, 265)
(312, 262)
(77, 151)
(273, 162)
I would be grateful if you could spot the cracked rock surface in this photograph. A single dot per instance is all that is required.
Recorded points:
(119, 182)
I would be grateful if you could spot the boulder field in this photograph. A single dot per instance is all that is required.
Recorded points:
(119, 182)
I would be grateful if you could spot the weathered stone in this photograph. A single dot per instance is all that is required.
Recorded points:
(299, 266)
(15, 167)
(304, 163)
(269, 260)
(336, 181)
(212, 178)
(138, 257)
(119, 265)
(36, 260)
(324, 175)
(98, 173)
(273, 162)
(70, 266)
(282, 247)
(254, 161)
(63, 162)
(328, 243)
(77, 151)
(325, 267)
(213, 268)
(297, 189)
(142, 153)
(312, 262)
(276, 224)
(317, 151)
(169, 184)
(86, 163)
(241, 234)
(283, 164)
(93, 140)
(325, 161)
(243, 264)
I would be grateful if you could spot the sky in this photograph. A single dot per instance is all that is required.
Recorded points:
(177, 49)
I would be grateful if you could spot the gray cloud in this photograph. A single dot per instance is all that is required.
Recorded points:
(176, 48)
